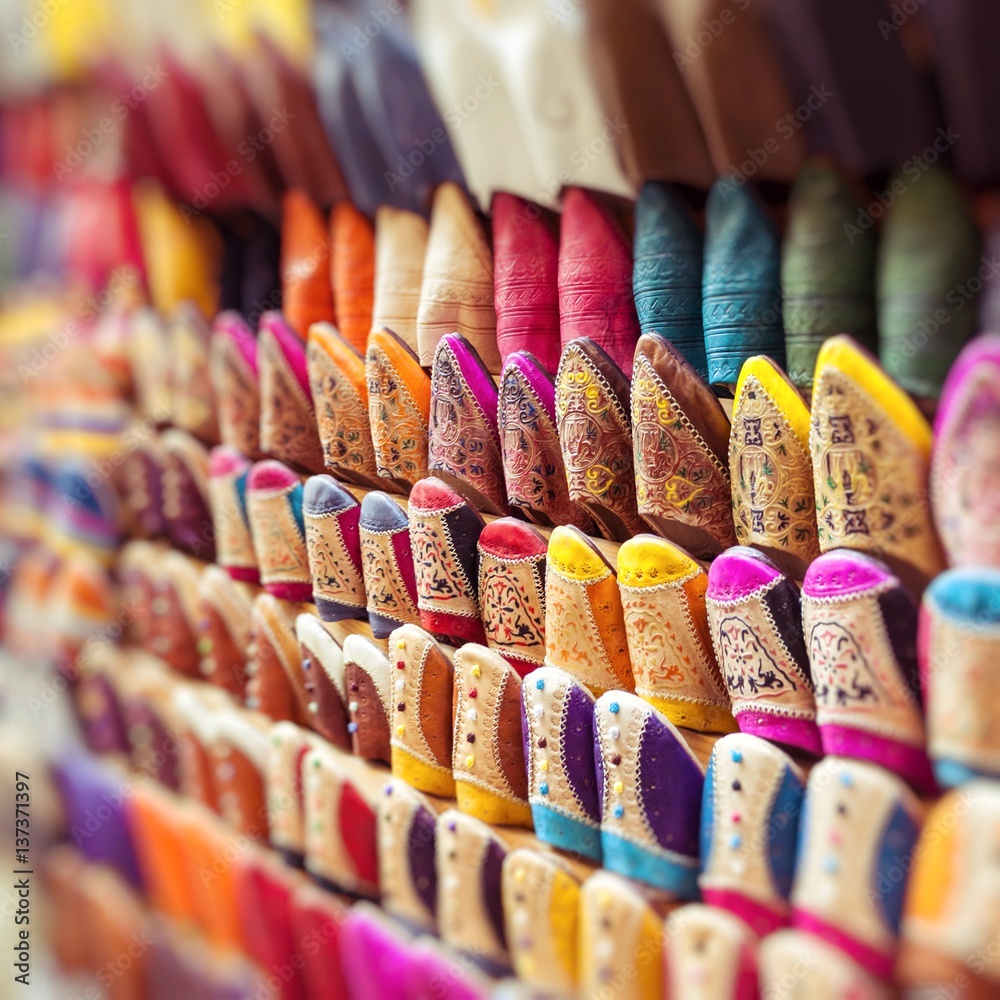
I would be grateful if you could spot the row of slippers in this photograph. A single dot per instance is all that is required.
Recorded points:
(592, 449)
(837, 669)
(839, 856)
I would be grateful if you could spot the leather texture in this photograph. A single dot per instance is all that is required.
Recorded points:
(400, 248)
(232, 366)
(387, 564)
(227, 492)
(369, 680)
(306, 294)
(323, 680)
(352, 272)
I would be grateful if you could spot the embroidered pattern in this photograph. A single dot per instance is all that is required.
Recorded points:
(772, 477)
(532, 460)
(388, 590)
(670, 656)
(277, 537)
(341, 417)
(399, 431)
(335, 576)
(442, 584)
(870, 492)
(676, 474)
(288, 421)
(512, 596)
(596, 440)
(461, 440)
(232, 532)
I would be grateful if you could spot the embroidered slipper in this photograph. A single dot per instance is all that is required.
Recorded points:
(238, 751)
(827, 281)
(232, 367)
(228, 472)
(400, 248)
(138, 481)
(859, 822)
(173, 634)
(194, 405)
(557, 721)
(958, 642)
(680, 439)
(463, 444)
(755, 618)
(616, 919)
(333, 543)
(741, 285)
(369, 679)
(585, 624)
(340, 394)
(666, 280)
(541, 906)
(488, 758)
(651, 788)
(966, 458)
(532, 457)
(274, 509)
(352, 271)
(595, 435)
(444, 531)
(186, 505)
(712, 951)
(287, 417)
(423, 687)
(456, 293)
(525, 279)
(595, 278)
(469, 857)
(387, 564)
(871, 454)
(666, 623)
(224, 628)
(860, 629)
(794, 963)
(323, 680)
(341, 794)
(399, 403)
(751, 810)
(772, 476)
(952, 899)
(512, 591)
(407, 835)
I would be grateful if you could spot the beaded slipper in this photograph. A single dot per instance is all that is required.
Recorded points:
(794, 964)
(287, 746)
(423, 685)
(369, 680)
(323, 680)
(274, 664)
(488, 755)
(711, 953)
(224, 629)
(651, 788)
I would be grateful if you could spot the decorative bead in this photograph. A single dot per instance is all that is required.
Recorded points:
(352, 706)
(544, 788)
(537, 711)
(543, 765)
(471, 715)
(470, 737)
(614, 732)
(400, 684)
(540, 684)
(831, 865)
(847, 779)
(313, 707)
(735, 841)
(616, 760)
(470, 760)
(317, 764)
(388, 789)
(473, 693)
(543, 743)
(619, 787)
(399, 730)
(613, 708)
(306, 663)
(619, 811)
(400, 664)
(736, 817)
(352, 727)
(401, 706)
(737, 756)
(354, 686)
(204, 645)
(475, 671)
(736, 786)
(400, 644)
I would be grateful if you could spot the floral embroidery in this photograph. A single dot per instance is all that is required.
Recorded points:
(288, 421)
(237, 397)
(335, 577)
(388, 593)
(442, 585)
(676, 474)
(512, 595)
(342, 418)
(399, 432)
